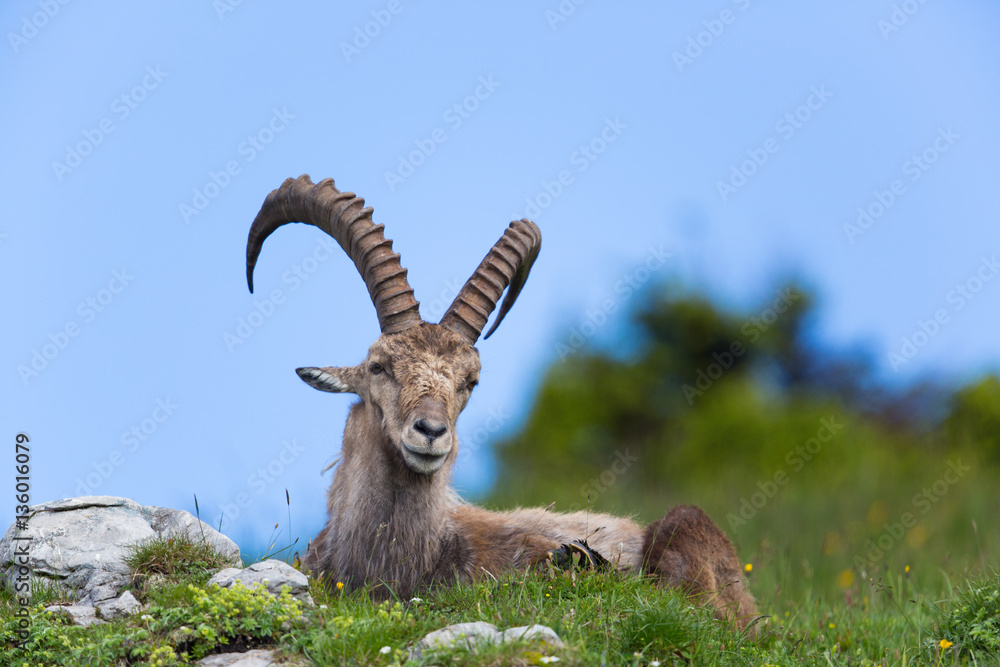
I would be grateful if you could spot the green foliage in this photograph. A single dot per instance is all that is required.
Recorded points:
(175, 556)
(613, 619)
(975, 416)
(158, 562)
(604, 618)
(973, 623)
(662, 629)
(42, 592)
(221, 616)
(53, 641)
(354, 630)
(203, 622)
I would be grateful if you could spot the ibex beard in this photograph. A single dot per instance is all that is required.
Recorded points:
(395, 524)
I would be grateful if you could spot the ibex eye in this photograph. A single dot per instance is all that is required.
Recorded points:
(471, 384)
(376, 368)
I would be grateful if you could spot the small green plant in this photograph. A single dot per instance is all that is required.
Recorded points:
(972, 626)
(359, 629)
(663, 628)
(206, 621)
(177, 554)
(216, 617)
(178, 558)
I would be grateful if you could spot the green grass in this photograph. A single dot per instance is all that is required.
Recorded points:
(603, 618)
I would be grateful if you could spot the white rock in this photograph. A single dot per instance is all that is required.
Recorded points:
(272, 573)
(467, 635)
(470, 635)
(254, 658)
(75, 539)
(126, 605)
(533, 633)
(102, 586)
(80, 614)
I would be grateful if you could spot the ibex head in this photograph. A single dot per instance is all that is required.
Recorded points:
(418, 376)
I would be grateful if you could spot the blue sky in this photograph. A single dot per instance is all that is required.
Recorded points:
(725, 145)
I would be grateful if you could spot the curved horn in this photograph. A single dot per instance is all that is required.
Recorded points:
(507, 263)
(344, 217)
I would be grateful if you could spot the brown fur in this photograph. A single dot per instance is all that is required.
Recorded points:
(686, 549)
(395, 523)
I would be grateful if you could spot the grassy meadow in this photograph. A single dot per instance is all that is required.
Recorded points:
(603, 619)
(865, 514)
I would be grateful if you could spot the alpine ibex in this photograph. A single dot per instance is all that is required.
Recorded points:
(394, 521)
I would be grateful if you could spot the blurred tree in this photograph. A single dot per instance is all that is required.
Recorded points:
(975, 417)
(795, 448)
(710, 395)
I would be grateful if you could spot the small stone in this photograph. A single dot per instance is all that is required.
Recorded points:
(535, 632)
(79, 614)
(469, 635)
(473, 634)
(102, 586)
(126, 605)
(225, 578)
(255, 658)
(272, 573)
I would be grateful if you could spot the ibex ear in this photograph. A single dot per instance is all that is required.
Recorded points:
(335, 380)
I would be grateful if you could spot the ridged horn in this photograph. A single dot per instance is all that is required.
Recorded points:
(344, 217)
(507, 263)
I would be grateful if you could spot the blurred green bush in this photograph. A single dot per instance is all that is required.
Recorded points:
(824, 476)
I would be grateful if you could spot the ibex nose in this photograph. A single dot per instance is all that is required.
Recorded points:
(430, 429)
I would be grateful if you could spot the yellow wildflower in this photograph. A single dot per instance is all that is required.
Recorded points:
(340, 585)
(748, 567)
(945, 644)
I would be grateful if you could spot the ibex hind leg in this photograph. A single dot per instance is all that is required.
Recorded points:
(687, 550)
